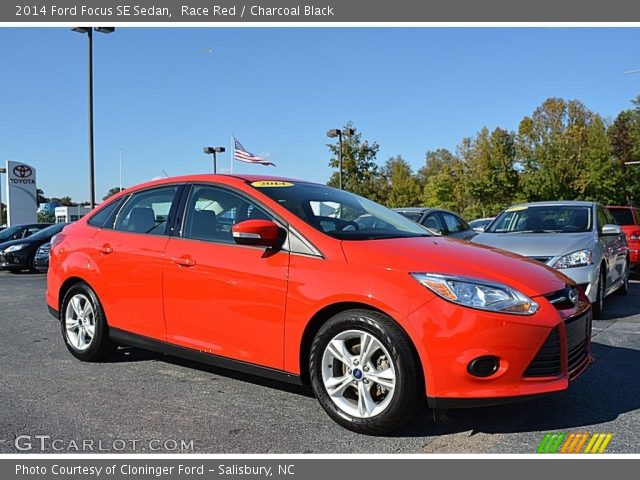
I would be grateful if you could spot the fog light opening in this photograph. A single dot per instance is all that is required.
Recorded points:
(483, 367)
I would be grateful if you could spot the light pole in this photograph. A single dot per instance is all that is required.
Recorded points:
(213, 151)
(336, 132)
(2, 170)
(89, 32)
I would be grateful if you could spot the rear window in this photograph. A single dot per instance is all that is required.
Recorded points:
(624, 216)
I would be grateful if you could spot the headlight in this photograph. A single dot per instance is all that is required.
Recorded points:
(478, 294)
(581, 258)
(14, 248)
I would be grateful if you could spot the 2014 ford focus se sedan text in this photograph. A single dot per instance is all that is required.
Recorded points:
(302, 282)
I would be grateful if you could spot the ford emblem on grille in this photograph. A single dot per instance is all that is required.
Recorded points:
(573, 296)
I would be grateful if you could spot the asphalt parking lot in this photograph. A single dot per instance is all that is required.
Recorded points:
(150, 401)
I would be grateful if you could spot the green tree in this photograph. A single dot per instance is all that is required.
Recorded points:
(552, 146)
(624, 136)
(399, 185)
(67, 202)
(46, 217)
(435, 162)
(601, 177)
(112, 192)
(490, 175)
(446, 188)
(360, 170)
(41, 197)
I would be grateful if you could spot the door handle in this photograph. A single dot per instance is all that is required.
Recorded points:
(105, 249)
(184, 261)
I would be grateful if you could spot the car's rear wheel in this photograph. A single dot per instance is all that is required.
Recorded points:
(598, 305)
(365, 372)
(84, 327)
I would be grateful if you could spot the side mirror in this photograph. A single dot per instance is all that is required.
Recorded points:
(610, 229)
(261, 233)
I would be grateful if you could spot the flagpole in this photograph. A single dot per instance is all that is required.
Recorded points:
(233, 152)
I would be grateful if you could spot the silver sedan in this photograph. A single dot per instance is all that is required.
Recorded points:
(581, 239)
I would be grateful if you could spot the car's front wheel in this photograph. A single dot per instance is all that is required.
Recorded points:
(598, 305)
(365, 372)
(624, 288)
(84, 326)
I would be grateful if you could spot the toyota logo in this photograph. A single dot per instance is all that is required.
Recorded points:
(22, 171)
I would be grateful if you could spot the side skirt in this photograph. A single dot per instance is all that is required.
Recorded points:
(123, 337)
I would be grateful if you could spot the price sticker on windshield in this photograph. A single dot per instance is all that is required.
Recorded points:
(271, 183)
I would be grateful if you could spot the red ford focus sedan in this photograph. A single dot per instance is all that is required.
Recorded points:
(305, 283)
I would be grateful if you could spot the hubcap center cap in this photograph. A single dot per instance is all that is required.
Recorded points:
(357, 374)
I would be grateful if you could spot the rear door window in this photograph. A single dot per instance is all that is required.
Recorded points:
(147, 211)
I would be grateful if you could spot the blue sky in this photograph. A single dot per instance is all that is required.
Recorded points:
(161, 94)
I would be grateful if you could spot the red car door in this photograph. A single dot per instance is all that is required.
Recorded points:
(220, 297)
(128, 258)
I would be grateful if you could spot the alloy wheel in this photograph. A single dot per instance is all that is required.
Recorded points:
(80, 322)
(358, 373)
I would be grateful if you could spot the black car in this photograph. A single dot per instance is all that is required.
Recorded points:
(41, 260)
(444, 222)
(17, 255)
(16, 232)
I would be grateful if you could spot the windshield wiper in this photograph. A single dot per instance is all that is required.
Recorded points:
(533, 231)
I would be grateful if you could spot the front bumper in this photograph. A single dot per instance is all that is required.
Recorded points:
(41, 263)
(452, 336)
(12, 261)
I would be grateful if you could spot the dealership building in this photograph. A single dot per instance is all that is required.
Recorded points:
(70, 214)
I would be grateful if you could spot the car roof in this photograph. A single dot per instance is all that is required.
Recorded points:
(550, 203)
(211, 177)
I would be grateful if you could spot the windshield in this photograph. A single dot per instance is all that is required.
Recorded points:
(623, 216)
(543, 219)
(9, 232)
(340, 214)
(49, 231)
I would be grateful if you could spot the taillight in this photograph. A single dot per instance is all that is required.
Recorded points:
(57, 239)
(635, 235)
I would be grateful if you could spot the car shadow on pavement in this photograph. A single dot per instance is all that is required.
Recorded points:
(623, 306)
(605, 391)
(133, 354)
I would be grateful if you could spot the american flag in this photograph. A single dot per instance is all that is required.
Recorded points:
(244, 155)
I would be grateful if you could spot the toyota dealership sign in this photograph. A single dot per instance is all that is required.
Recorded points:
(22, 197)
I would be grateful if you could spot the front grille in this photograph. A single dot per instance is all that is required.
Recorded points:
(541, 259)
(547, 363)
(548, 360)
(578, 334)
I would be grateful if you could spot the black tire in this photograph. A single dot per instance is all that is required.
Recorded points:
(624, 288)
(100, 346)
(14, 270)
(598, 305)
(408, 395)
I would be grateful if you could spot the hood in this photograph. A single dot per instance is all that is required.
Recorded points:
(450, 256)
(536, 244)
